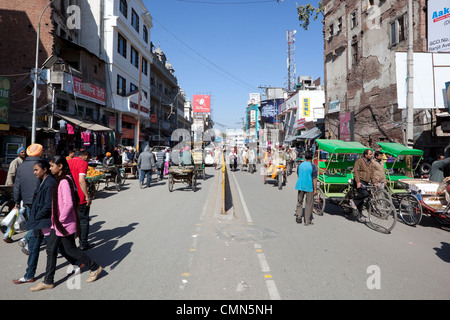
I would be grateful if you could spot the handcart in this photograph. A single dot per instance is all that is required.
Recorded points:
(182, 174)
(199, 162)
(431, 202)
(130, 169)
(93, 184)
(112, 175)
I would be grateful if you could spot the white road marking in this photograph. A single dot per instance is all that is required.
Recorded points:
(244, 204)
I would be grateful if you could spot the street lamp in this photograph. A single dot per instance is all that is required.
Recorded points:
(33, 125)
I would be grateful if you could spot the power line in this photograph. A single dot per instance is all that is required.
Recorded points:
(242, 83)
(229, 3)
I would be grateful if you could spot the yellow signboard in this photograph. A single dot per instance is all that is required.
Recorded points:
(306, 107)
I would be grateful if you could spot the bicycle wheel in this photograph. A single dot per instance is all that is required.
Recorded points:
(382, 215)
(319, 203)
(410, 210)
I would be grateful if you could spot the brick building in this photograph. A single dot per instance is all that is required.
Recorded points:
(361, 38)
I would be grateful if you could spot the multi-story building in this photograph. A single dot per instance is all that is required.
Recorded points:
(119, 33)
(361, 41)
(71, 82)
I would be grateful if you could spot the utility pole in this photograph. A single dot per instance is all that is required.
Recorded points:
(291, 60)
(409, 136)
(139, 104)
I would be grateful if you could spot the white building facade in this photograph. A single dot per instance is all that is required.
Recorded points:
(122, 39)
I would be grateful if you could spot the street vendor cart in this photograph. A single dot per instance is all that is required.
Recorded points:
(182, 174)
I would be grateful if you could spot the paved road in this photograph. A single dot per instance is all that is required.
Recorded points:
(154, 244)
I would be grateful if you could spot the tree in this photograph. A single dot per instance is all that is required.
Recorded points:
(305, 12)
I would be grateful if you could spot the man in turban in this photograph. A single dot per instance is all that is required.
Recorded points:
(21, 155)
(25, 183)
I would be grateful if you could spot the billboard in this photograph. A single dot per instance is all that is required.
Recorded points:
(201, 103)
(431, 72)
(439, 25)
(5, 86)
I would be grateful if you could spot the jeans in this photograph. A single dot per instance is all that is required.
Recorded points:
(34, 246)
(143, 174)
(83, 212)
(71, 250)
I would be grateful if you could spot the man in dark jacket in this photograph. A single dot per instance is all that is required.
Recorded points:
(145, 164)
(25, 184)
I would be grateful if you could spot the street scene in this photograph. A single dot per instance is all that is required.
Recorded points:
(146, 155)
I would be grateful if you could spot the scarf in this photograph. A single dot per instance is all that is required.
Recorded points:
(75, 200)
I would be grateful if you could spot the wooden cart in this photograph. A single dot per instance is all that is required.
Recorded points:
(183, 174)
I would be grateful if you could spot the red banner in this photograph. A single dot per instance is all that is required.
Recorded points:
(201, 103)
(88, 91)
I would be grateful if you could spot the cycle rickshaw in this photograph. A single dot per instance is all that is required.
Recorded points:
(182, 174)
(398, 172)
(199, 162)
(335, 160)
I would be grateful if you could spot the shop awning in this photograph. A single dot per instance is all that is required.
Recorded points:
(313, 133)
(84, 124)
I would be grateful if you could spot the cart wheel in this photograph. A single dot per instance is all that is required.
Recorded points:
(319, 203)
(123, 175)
(194, 182)
(170, 183)
(410, 210)
(280, 180)
(204, 175)
(118, 181)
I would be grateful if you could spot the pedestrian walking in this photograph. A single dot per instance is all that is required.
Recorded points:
(78, 168)
(307, 189)
(65, 225)
(12, 170)
(160, 156)
(25, 184)
(145, 164)
(39, 220)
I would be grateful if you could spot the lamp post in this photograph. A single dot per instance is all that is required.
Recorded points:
(33, 124)
(409, 134)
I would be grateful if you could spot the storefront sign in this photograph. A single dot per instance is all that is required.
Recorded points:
(306, 107)
(346, 126)
(5, 86)
(438, 25)
(88, 91)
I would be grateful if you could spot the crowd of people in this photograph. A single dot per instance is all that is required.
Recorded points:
(56, 207)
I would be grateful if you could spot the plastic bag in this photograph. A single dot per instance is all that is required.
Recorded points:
(20, 221)
(10, 218)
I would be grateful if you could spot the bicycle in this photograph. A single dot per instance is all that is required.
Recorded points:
(381, 212)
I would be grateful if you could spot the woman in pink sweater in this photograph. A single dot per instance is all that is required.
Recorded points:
(65, 225)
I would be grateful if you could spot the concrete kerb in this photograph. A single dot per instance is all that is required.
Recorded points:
(229, 213)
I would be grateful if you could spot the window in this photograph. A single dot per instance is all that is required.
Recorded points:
(121, 86)
(398, 31)
(354, 50)
(339, 25)
(144, 66)
(133, 87)
(122, 46)
(62, 105)
(135, 20)
(89, 112)
(134, 57)
(353, 19)
(123, 7)
(145, 34)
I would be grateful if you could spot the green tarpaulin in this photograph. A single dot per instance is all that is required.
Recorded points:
(339, 146)
(397, 149)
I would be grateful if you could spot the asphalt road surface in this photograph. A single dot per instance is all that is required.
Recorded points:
(155, 244)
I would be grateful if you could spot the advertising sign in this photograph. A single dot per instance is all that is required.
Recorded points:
(5, 85)
(346, 126)
(301, 123)
(439, 25)
(306, 107)
(88, 91)
(201, 103)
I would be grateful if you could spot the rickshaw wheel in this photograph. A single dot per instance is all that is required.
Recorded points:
(410, 210)
(319, 203)
(170, 183)
(280, 180)
(194, 182)
(118, 181)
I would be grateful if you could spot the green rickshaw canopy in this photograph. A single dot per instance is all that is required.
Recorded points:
(396, 149)
(339, 146)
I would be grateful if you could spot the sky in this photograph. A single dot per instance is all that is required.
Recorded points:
(230, 48)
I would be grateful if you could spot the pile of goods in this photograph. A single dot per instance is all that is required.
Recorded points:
(91, 172)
